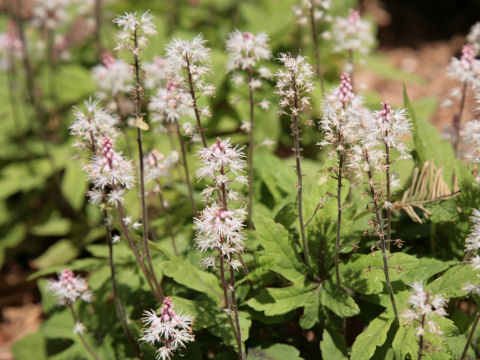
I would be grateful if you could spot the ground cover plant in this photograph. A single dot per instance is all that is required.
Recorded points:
(210, 180)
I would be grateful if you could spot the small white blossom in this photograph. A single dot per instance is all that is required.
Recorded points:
(113, 77)
(156, 73)
(79, 328)
(170, 330)
(246, 49)
(472, 243)
(220, 155)
(352, 34)
(342, 114)
(158, 165)
(219, 226)
(134, 32)
(424, 306)
(11, 47)
(466, 68)
(473, 38)
(91, 127)
(471, 139)
(320, 11)
(189, 65)
(392, 126)
(264, 104)
(110, 168)
(69, 288)
(294, 83)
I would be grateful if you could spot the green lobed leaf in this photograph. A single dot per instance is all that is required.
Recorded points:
(278, 250)
(405, 343)
(333, 345)
(277, 301)
(451, 283)
(373, 336)
(311, 310)
(192, 277)
(30, 347)
(338, 301)
(74, 185)
(274, 352)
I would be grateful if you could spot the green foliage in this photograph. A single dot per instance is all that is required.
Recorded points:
(333, 345)
(277, 351)
(372, 337)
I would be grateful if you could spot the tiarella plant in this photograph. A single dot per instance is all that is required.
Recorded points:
(220, 225)
(466, 69)
(352, 35)
(245, 51)
(294, 85)
(362, 251)
(314, 13)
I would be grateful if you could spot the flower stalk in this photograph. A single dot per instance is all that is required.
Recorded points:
(380, 231)
(470, 334)
(294, 84)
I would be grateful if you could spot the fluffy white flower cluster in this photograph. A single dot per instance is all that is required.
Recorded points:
(158, 165)
(294, 83)
(91, 127)
(50, 13)
(110, 172)
(69, 288)
(424, 307)
(342, 114)
(246, 49)
(10, 47)
(218, 226)
(472, 243)
(170, 329)
(473, 38)
(320, 11)
(220, 229)
(392, 126)
(352, 34)
(156, 73)
(471, 139)
(466, 68)
(220, 162)
(135, 31)
(171, 102)
(113, 77)
(192, 56)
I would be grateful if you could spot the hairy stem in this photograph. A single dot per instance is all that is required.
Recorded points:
(80, 335)
(420, 340)
(389, 196)
(339, 216)
(470, 334)
(457, 118)
(298, 167)
(194, 100)
(352, 67)
(138, 114)
(251, 147)
(231, 287)
(318, 64)
(116, 297)
(241, 354)
(381, 233)
(185, 166)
